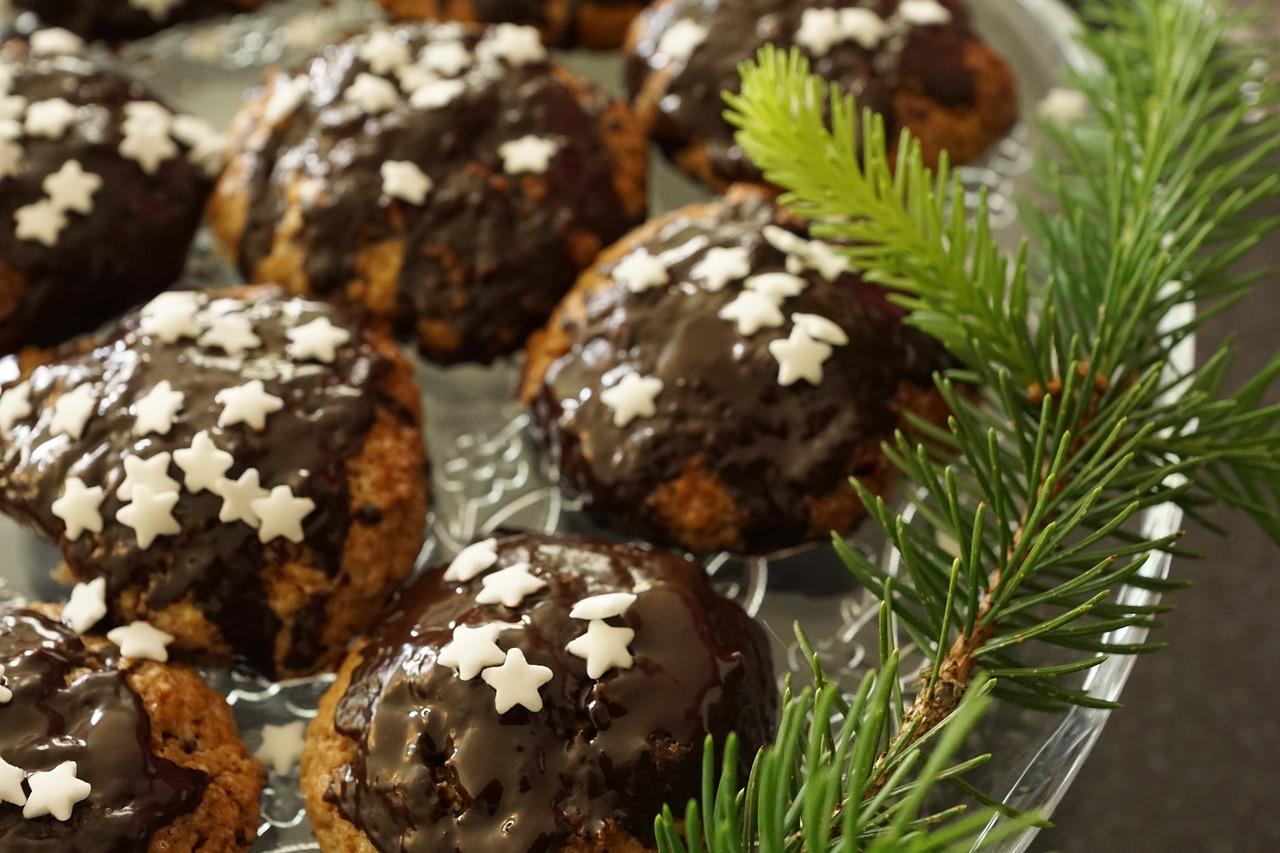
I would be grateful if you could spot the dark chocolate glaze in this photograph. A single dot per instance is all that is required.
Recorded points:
(328, 409)
(133, 242)
(73, 704)
(118, 20)
(487, 254)
(772, 447)
(438, 769)
(924, 59)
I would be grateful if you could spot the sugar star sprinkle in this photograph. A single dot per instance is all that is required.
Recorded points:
(72, 188)
(372, 94)
(777, 285)
(863, 26)
(41, 221)
(640, 271)
(247, 404)
(820, 257)
(56, 41)
(72, 411)
(49, 118)
(820, 329)
(149, 514)
(819, 31)
(87, 605)
(152, 473)
(509, 586)
(158, 9)
(516, 682)
(11, 108)
(382, 51)
(15, 405)
(147, 117)
(528, 154)
(280, 514)
(475, 559)
(287, 94)
(799, 357)
(148, 148)
(1064, 107)
(281, 746)
(238, 497)
(203, 463)
(233, 334)
(923, 13)
(206, 147)
(404, 180)
(170, 317)
(511, 42)
(603, 647)
(448, 57)
(434, 94)
(10, 157)
(5, 693)
(155, 411)
(474, 648)
(78, 507)
(141, 640)
(604, 606)
(632, 397)
(752, 312)
(11, 779)
(55, 792)
(681, 39)
(719, 266)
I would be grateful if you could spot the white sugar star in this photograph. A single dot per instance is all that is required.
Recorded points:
(281, 515)
(150, 514)
(640, 271)
(49, 118)
(158, 9)
(206, 147)
(681, 39)
(169, 320)
(752, 312)
(821, 257)
(203, 463)
(382, 51)
(603, 647)
(141, 640)
(516, 682)
(72, 188)
(820, 329)
(632, 397)
(40, 221)
(55, 41)
(238, 497)
(55, 792)
(474, 648)
(5, 694)
(72, 411)
(287, 94)
(155, 411)
(604, 606)
(233, 334)
(11, 108)
(281, 746)
(819, 31)
(15, 405)
(78, 507)
(434, 94)
(372, 94)
(799, 357)
(1064, 107)
(247, 404)
(516, 44)
(447, 57)
(784, 240)
(528, 154)
(923, 13)
(863, 26)
(404, 180)
(152, 473)
(10, 158)
(719, 266)
(509, 586)
(11, 783)
(87, 605)
(475, 559)
(148, 149)
(776, 285)
(146, 118)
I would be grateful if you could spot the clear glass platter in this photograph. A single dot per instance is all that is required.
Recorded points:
(487, 473)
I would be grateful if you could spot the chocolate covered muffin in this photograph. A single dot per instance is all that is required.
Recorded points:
(118, 20)
(717, 378)
(104, 750)
(918, 63)
(542, 693)
(451, 179)
(563, 23)
(101, 189)
(244, 469)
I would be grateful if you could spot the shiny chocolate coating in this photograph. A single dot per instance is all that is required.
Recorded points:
(130, 245)
(928, 60)
(118, 20)
(772, 448)
(438, 769)
(486, 255)
(71, 703)
(328, 409)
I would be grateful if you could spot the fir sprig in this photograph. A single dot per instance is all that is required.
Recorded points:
(1067, 417)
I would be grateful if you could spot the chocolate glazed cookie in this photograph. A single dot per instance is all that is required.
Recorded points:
(451, 179)
(101, 189)
(142, 756)
(542, 694)
(245, 470)
(117, 20)
(917, 63)
(599, 24)
(716, 379)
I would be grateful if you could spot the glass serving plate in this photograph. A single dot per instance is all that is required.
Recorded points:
(488, 474)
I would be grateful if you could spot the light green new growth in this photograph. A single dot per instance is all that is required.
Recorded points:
(1067, 421)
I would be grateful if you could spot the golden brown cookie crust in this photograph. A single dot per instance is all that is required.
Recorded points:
(599, 26)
